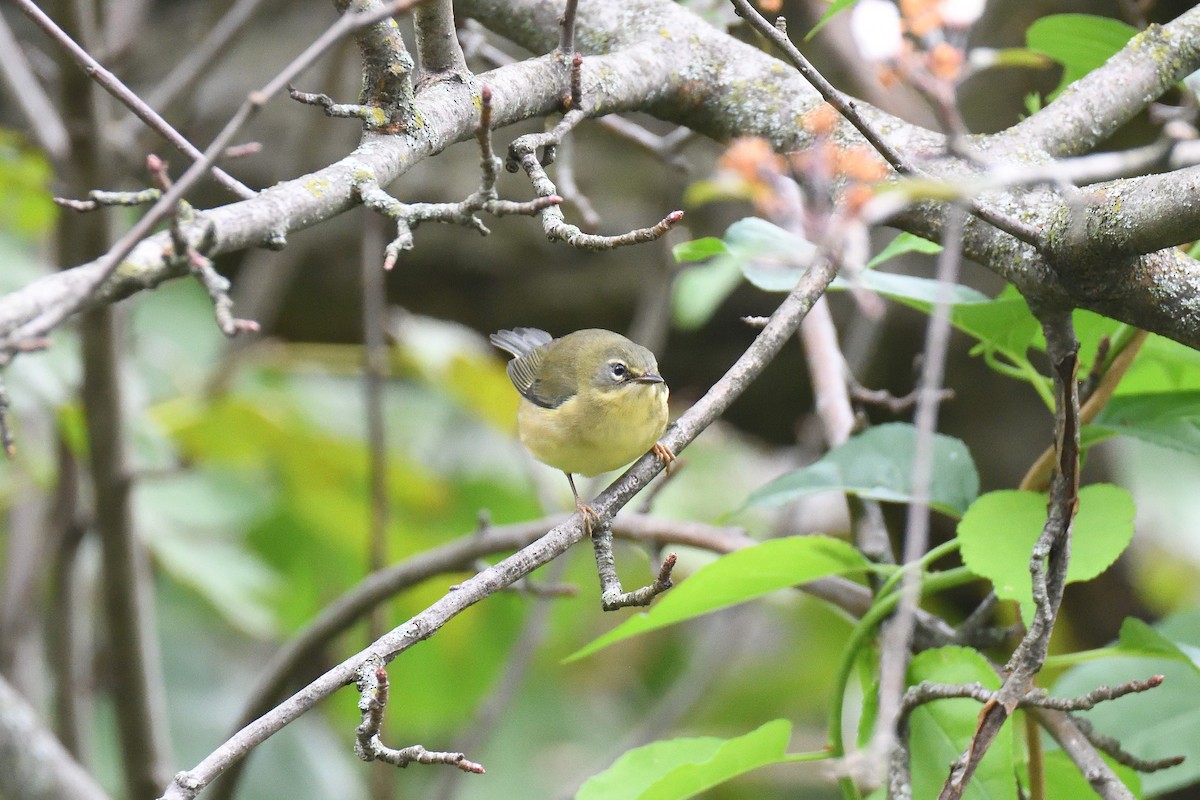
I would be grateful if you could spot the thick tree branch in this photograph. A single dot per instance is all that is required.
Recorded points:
(701, 78)
(1094, 107)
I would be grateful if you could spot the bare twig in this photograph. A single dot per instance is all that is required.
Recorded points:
(1067, 731)
(1113, 748)
(845, 106)
(99, 198)
(886, 400)
(779, 330)
(523, 154)
(43, 118)
(408, 216)
(439, 54)
(612, 596)
(566, 30)
(1049, 560)
(1038, 475)
(133, 651)
(898, 634)
(113, 85)
(373, 686)
(367, 114)
(51, 318)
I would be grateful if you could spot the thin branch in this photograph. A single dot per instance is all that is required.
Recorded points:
(43, 118)
(612, 596)
(133, 653)
(566, 30)
(779, 330)
(898, 633)
(1085, 702)
(373, 686)
(439, 53)
(1113, 748)
(50, 318)
(1038, 476)
(847, 108)
(664, 147)
(1049, 560)
(113, 85)
(523, 155)
(1067, 731)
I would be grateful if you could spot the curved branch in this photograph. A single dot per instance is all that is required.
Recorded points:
(781, 327)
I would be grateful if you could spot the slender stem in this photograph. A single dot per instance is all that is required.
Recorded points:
(846, 107)
(113, 85)
(374, 319)
(895, 650)
(133, 654)
(566, 33)
(43, 118)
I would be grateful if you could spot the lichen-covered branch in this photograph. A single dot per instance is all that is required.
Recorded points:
(700, 77)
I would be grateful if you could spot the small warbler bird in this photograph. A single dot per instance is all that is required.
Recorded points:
(591, 401)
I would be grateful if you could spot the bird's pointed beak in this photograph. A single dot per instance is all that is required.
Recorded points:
(649, 377)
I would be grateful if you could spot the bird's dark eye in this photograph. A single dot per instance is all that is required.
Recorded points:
(619, 371)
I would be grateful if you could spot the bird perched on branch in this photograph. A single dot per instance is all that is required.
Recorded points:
(591, 401)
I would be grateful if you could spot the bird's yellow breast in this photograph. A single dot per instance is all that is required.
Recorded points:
(605, 431)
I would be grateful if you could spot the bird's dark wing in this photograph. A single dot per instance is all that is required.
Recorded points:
(529, 353)
(520, 341)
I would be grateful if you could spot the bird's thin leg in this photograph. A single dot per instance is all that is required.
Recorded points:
(583, 508)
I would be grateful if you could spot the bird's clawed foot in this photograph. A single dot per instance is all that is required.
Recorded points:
(664, 454)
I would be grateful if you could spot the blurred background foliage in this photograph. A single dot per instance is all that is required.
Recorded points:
(252, 490)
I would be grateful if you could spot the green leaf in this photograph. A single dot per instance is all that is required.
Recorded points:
(835, 8)
(1162, 365)
(1167, 419)
(699, 291)
(752, 237)
(904, 243)
(940, 731)
(737, 577)
(699, 249)
(877, 465)
(1139, 639)
(197, 519)
(1080, 42)
(1000, 528)
(678, 768)
(25, 178)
